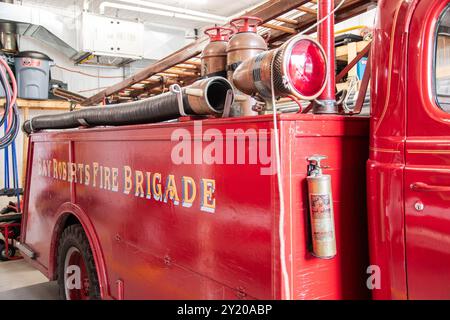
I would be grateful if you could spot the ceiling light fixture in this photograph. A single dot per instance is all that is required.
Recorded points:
(172, 14)
(216, 18)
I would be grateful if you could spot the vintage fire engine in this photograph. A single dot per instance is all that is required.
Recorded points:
(350, 206)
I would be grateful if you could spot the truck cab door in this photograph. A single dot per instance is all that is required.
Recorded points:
(427, 170)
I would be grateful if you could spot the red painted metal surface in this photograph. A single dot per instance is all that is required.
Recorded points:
(145, 248)
(246, 24)
(220, 34)
(385, 167)
(427, 177)
(409, 151)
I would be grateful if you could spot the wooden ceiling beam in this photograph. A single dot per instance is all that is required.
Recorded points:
(287, 21)
(187, 66)
(307, 10)
(280, 28)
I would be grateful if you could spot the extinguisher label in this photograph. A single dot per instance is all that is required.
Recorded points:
(321, 206)
(28, 62)
(321, 217)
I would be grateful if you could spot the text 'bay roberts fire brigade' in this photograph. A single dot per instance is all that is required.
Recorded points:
(152, 186)
(104, 191)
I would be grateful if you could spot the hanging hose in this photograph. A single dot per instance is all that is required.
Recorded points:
(11, 117)
(207, 96)
(10, 120)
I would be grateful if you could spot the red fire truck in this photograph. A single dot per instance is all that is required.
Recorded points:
(139, 225)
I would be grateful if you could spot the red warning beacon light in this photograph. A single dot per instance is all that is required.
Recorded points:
(300, 69)
(307, 68)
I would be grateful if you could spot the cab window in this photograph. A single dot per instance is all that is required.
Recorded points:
(442, 62)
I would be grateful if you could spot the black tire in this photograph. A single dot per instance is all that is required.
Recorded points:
(11, 249)
(74, 238)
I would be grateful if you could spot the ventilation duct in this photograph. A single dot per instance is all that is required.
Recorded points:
(88, 38)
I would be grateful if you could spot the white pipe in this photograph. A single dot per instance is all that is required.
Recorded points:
(105, 4)
(176, 9)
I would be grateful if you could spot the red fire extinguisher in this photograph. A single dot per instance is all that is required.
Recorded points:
(321, 210)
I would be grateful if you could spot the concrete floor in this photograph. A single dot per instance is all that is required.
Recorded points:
(20, 281)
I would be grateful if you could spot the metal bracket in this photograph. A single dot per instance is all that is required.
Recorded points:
(31, 125)
(83, 122)
(227, 106)
(25, 249)
(176, 89)
(352, 89)
(314, 165)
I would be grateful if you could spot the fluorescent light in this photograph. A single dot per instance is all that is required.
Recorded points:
(196, 1)
(188, 12)
(184, 16)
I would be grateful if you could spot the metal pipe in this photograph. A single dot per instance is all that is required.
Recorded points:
(8, 36)
(204, 97)
(327, 100)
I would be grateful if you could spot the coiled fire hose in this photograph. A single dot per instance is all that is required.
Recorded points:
(204, 97)
(10, 118)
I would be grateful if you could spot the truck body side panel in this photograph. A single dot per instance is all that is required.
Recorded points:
(345, 142)
(44, 200)
(387, 142)
(224, 243)
(427, 214)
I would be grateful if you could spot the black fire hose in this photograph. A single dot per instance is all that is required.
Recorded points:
(14, 127)
(207, 96)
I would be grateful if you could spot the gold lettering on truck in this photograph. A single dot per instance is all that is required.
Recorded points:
(154, 186)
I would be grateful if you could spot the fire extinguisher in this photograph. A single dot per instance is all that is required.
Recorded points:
(321, 210)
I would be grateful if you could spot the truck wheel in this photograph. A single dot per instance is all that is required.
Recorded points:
(77, 276)
(3, 256)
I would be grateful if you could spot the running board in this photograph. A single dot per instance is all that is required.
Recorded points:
(25, 249)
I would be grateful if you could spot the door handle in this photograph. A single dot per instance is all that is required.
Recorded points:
(424, 187)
